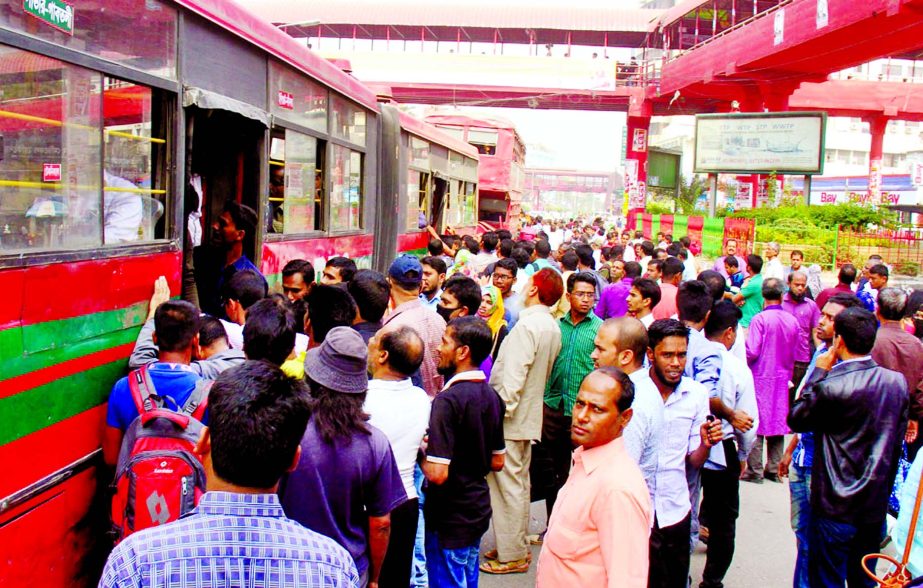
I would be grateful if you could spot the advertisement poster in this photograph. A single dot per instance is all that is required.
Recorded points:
(743, 230)
(778, 27)
(694, 232)
(744, 196)
(784, 143)
(639, 140)
(823, 14)
(875, 181)
(634, 189)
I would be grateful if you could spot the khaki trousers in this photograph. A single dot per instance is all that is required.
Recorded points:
(509, 500)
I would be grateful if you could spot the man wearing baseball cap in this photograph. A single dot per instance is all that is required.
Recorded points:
(347, 482)
(406, 278)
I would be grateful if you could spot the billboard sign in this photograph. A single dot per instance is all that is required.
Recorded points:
(760, 143)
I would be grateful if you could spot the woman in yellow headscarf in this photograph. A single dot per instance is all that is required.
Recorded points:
(491, 310)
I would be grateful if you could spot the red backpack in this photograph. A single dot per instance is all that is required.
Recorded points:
(158, 478)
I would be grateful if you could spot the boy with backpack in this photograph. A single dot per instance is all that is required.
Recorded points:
(176, 331)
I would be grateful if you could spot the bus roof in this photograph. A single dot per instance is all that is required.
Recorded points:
(250, 27)
(427, 131)
(465, 120)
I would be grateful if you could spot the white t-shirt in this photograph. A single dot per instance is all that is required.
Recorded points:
(555, 239)
(235, 334)
(401, 411)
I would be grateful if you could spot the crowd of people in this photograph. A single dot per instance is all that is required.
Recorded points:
(368, 429)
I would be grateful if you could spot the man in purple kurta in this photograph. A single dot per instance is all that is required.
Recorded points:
(796, 303)
(771, 343)
(613, 301)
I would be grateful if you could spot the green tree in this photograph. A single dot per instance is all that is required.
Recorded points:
(689, 191)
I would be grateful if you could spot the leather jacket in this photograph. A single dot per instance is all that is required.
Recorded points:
(858, 414)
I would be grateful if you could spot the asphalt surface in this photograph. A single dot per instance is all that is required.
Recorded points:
(765, 554)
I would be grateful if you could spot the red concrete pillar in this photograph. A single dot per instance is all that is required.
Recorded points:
(877, 127)
(639, 123)
(636, 161)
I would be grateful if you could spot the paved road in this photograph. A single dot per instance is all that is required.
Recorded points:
(765, 543)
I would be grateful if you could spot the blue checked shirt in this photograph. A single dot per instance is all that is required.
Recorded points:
(230, 540)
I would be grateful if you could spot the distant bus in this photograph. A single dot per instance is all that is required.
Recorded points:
(502, 163)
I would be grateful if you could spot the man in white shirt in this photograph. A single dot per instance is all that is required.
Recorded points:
(622, 343)
(773, 267)
(642, 298)
(721, 473)
(687, 439)
(488, 253)
(690, 266)
(401, 411)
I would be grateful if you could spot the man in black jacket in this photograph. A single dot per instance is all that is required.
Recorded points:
(858, 413)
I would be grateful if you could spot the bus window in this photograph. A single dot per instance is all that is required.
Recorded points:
(134, 198)
(471, 204)
(417, 199)
(485, 141)
(346, 199)
(457, 132)
(297, 98)
(296, 180)
(348, 121)
(57, 122)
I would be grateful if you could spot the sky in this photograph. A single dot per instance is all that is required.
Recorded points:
(580, 140)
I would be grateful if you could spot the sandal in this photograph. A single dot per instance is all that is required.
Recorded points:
(492, 554)
(492, 566)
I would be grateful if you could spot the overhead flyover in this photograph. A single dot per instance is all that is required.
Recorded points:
(709, 53)
(479, 21)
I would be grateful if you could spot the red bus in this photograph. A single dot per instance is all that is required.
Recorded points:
(501, 171)
(106, 116)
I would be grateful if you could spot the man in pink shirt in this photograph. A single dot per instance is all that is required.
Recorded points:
(598, 532)
(670, 277)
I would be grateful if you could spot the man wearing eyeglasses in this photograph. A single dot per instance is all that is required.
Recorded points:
(504, 277)
(551, 458)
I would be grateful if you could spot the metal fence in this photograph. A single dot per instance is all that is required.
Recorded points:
(902, 248)
(819, 246)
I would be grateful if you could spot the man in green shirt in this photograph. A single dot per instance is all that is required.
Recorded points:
(750, 298)
(551, 458)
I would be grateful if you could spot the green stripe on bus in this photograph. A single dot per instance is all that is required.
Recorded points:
(62, 333)
(420, 252)
(10, 347)
(13, 366)
(35, 409)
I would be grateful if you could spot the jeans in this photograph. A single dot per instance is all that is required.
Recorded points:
(800, 486)
(720, 509)
(836, 550)
(669, 555)
(448, 568)
(418, 577)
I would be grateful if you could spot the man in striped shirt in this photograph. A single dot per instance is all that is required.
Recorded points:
(551, 458)
(239, 535)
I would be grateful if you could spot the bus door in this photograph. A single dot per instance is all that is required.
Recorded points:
(440, 192)
(224, 154)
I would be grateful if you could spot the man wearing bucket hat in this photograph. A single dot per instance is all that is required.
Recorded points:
(347, 482)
